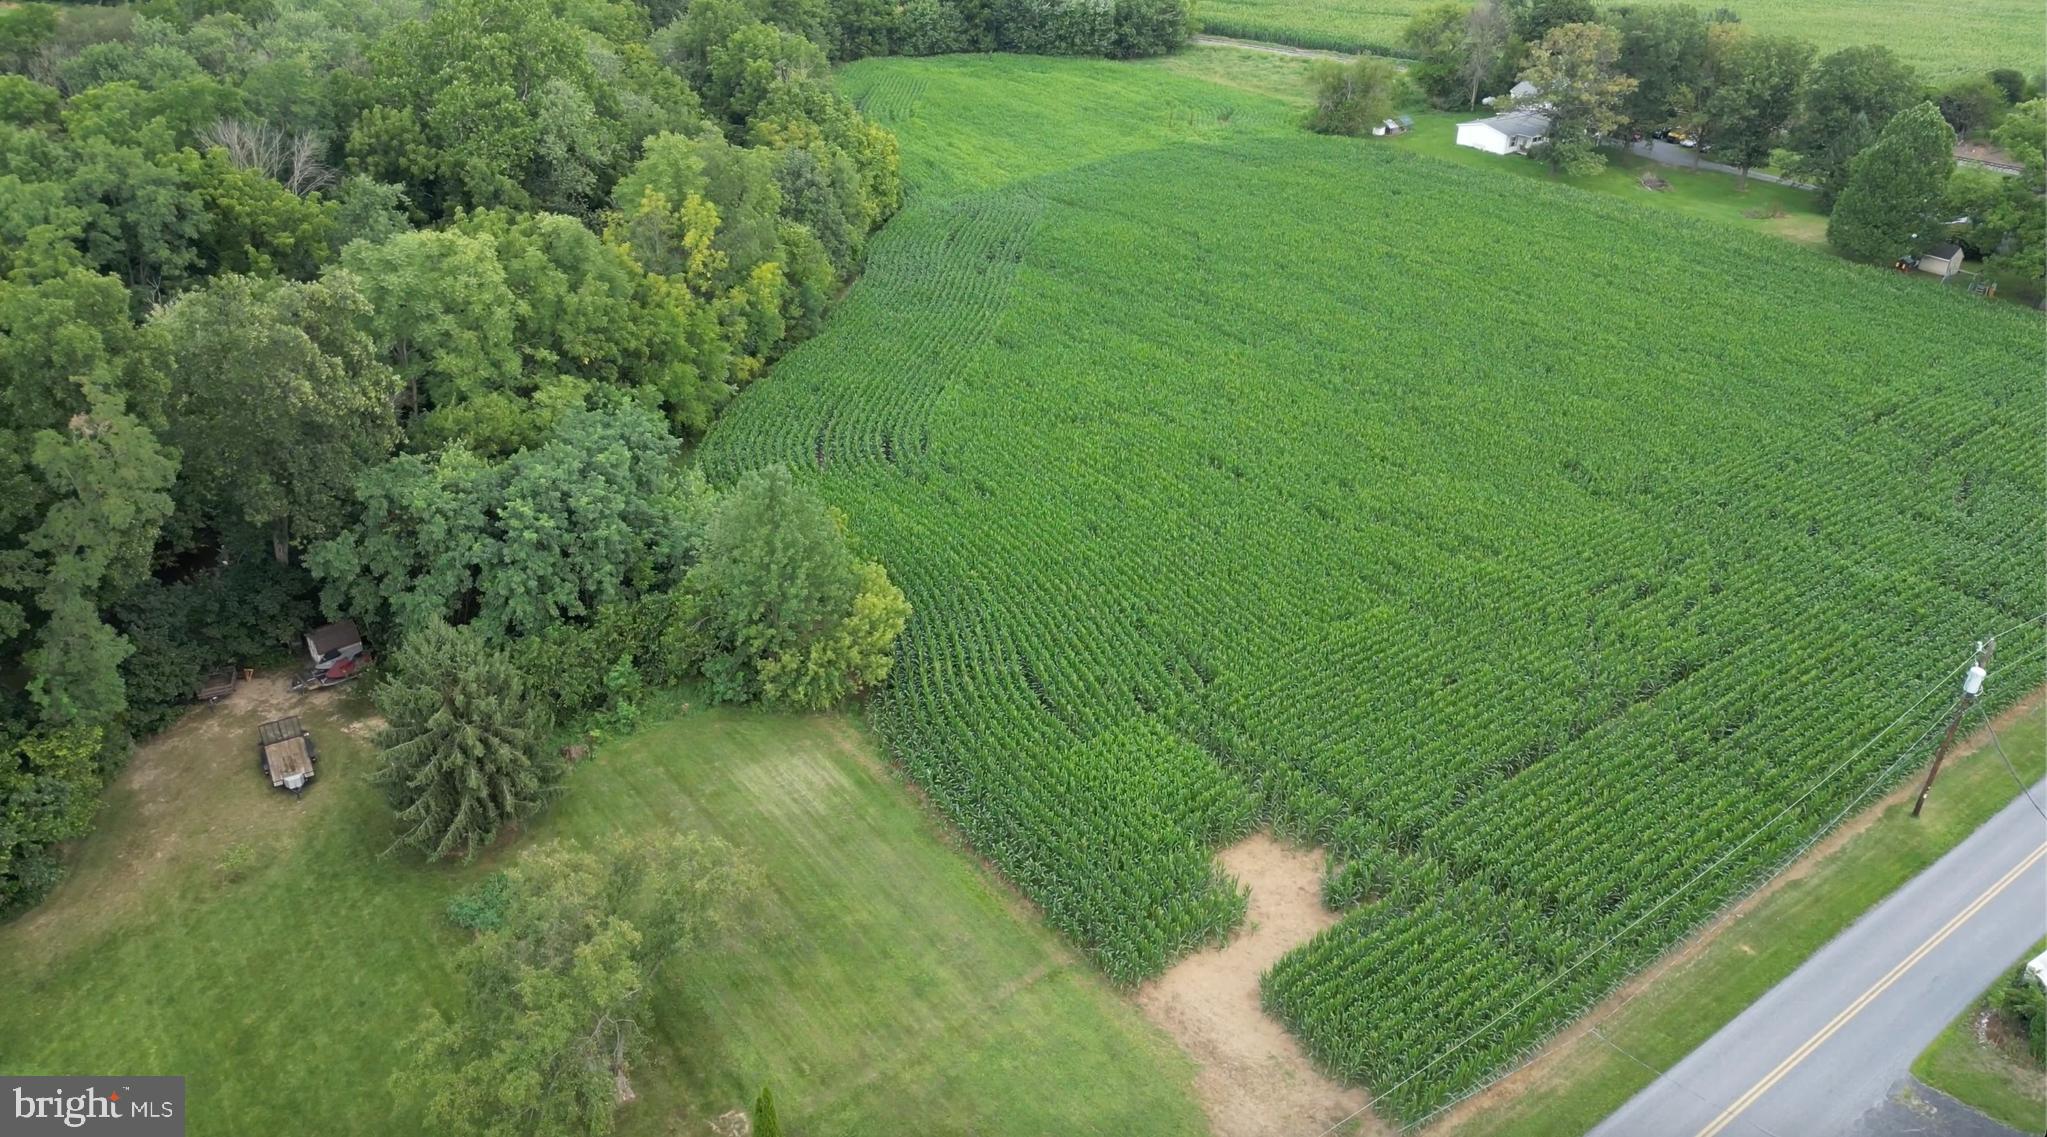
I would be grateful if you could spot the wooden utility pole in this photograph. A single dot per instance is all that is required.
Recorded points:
(1972, 686)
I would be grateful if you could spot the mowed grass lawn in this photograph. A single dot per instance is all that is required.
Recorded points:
(882, 980)
(1942, 40)
(1764, 207)
(1994, 1074)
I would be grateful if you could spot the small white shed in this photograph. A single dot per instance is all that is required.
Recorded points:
(1512, 133)
(1942, 261)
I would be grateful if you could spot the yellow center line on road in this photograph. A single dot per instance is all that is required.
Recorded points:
(1728, 1115)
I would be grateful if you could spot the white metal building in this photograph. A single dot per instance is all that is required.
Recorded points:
(1511, 133)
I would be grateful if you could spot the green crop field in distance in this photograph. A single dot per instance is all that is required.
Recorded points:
(878, 975)
(1529, 549)
(1941, 40)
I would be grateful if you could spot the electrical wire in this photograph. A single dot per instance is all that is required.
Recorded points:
(1853, 804)
(1594, 951)
(1701, 1098)
(2023, 788)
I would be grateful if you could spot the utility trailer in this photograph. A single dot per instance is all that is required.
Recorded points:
(285, 752)
(219, 685)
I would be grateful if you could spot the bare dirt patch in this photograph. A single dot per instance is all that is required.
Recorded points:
(1254, 1079)
(183, 799)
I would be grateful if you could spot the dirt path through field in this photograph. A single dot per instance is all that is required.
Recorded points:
(1254, 1079)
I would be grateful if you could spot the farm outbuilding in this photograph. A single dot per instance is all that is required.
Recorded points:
(1512, 133)
(1942, 261)
(339, 640)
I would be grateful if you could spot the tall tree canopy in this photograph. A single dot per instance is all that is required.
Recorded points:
(559, 998)
(1848, 98)
(788, 612)
(86, 484)
(1892, 203)
(279, 401)
(1579, 86)
(1754, 97)
(1663, 46)
(515, 546)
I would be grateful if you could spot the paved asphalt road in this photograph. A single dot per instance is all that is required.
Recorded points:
(1824, 1052)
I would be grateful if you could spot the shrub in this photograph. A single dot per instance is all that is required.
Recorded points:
(1150, 27)
(2023, 999)
(1351, 98)
(236, 861)
(482, 908)
(1055, 27)
(932, 27)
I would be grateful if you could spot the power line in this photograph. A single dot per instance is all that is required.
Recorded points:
(1661, 1073)
(1590, 953)
(1882, 778)
(1992, 728)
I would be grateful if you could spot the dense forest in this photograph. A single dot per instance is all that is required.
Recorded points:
(408, 312)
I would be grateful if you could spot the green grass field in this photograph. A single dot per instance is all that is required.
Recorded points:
(1994, 1075)
(1941, 40)
(1584, 1079)
(880, 976)
(1521, 545)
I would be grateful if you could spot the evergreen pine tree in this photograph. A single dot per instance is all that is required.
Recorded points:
(463, 752)
(764, 1123)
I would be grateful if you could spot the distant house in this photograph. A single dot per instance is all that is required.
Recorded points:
(1523, 89)
(1942, 261)
(1512, 133)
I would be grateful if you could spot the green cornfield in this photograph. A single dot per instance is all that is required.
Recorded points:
(1942, 40)
(1546, 558)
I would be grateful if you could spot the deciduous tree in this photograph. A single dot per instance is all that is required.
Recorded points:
(1579, 87)
(441, 313)
(1352, 98)
(1754, 97)
(790, 614)
(279, 399)
(1848, 98)
(1663, 46)
(1488, 33)
(559, 998)
(1436, 35)
(1892, 203)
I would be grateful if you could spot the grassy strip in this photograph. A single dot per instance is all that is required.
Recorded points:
(1581, 1080)
(2003, 1082)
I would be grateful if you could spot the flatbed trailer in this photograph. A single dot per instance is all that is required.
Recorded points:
(286, 753)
